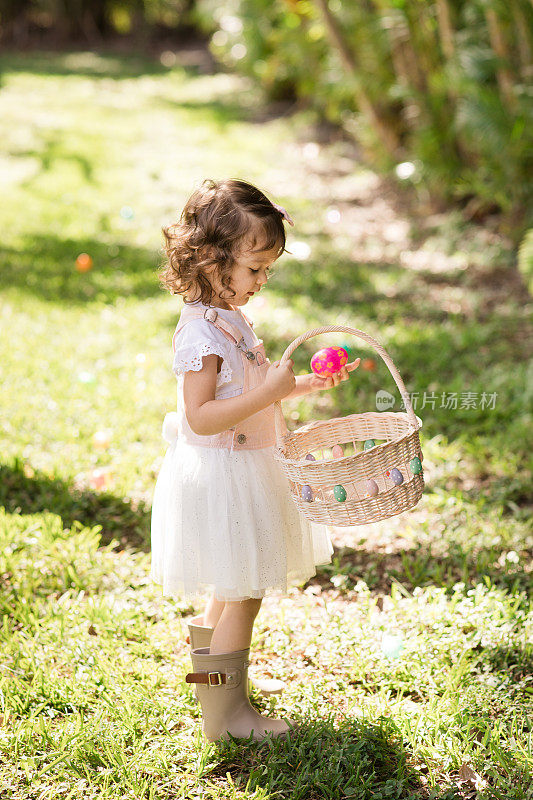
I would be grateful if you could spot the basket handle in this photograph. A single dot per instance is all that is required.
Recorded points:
(281, 427)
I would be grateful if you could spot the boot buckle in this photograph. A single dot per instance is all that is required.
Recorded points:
(211, 678)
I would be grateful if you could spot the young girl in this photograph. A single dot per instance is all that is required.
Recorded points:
(222, 515)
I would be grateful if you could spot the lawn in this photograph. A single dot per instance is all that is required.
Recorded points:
(98, 152)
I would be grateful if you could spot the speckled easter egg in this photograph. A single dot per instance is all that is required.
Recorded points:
(396, 476)
(339, 493)
(307, 494)
(328, 361)
(415, 465)
(337, 451)
(310, 457)
(368, 444)
(372, 488)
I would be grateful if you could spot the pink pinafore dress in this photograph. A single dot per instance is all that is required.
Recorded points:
(222, 515)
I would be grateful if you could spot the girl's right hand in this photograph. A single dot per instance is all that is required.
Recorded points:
(280, 380)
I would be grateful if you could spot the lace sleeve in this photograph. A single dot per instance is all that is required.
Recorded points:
(195, 341)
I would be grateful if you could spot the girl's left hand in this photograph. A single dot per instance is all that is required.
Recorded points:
(316, 382)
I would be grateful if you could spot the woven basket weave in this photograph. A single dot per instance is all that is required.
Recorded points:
(400, 430)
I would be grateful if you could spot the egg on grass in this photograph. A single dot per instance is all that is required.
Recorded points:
(84, 262)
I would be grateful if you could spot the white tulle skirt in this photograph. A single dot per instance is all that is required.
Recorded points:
(225, 521)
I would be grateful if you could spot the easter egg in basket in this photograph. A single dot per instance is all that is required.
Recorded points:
(416, 465)
(328, 361)
(307, 494)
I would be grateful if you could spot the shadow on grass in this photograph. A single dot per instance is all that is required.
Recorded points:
(124, 520)
(96, 64)
(513, 663)
(333, 281)
(118, 271)
(52, 151)
(349, 758)
(232, 107)
(421, 566)
(191, 62)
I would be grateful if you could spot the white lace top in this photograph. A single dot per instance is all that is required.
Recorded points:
(199, 337)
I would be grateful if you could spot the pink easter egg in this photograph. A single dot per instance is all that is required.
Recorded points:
(100, 477)
(337, 451)
(328, 361)
(372, 488)
(343, 355)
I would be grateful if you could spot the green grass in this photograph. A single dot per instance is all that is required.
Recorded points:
(93, 701)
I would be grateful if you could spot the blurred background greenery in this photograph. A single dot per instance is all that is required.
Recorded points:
(436, 92)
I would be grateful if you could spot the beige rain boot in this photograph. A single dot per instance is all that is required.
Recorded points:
(222, 685)
(200, 636)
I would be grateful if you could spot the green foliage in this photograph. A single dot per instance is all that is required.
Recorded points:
(467, 137)
(281, 45)
(444, 85)
(92, 20)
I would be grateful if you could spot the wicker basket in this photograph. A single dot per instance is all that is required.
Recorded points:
(352, 473)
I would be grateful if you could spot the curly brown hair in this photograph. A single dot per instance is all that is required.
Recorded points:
(211, 231)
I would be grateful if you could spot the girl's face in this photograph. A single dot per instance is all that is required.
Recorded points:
(250, 273)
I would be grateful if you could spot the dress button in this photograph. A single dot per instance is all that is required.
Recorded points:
(241, 438)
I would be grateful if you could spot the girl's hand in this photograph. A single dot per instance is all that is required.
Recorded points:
(316, 382)
(280, 380)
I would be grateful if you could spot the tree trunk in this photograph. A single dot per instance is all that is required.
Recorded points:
(386, 135)
(446, 35)
(445, 29)
(499, 45)
(422, 41)
(522, 25)
(405, 70)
